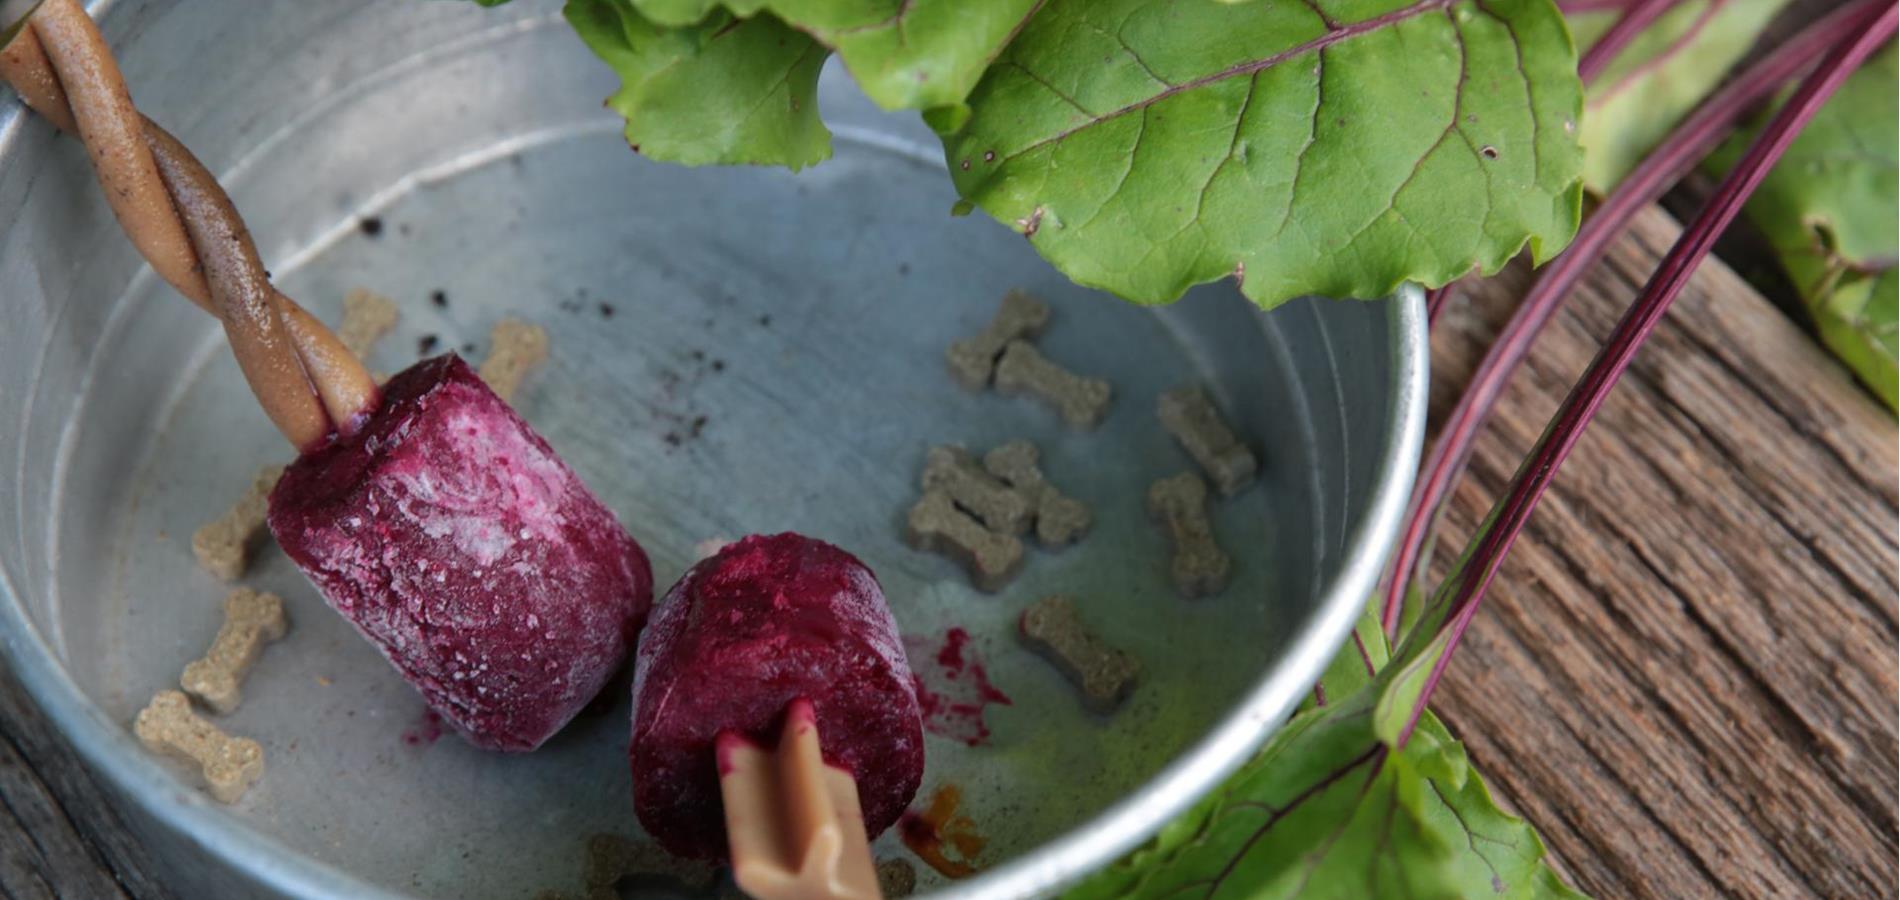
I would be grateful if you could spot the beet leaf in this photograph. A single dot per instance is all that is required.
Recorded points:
(722, 90)
(1332, 808)
(904, 54)
(1828, 210)
(1658, 77)
(1333, 148)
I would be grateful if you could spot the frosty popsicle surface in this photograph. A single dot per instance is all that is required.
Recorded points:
(454, 539)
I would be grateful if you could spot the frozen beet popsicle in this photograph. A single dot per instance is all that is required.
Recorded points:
(432, 517)
(448, 532)
(766, 622)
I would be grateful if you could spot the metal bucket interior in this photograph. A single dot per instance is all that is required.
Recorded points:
(734, 351)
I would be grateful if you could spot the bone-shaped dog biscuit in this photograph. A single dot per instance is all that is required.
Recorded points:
(1179, 504)
(1191, 416)
(954, 471)
(516, 348)
(1081, 400)
(367, 316)
(973, 360)
(1060, 520)
(230, 765)
(251, 620)
(1103, 674)
(224, 547)
(937, 525)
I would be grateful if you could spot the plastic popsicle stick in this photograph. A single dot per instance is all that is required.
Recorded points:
(793, 825)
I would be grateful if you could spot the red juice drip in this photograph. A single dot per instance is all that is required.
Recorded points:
(952, 686)
(425, 731)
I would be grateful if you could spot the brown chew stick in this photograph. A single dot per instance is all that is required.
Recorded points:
(1082, 401)
(251, 620)
(1179, 504)
(1191, 416)
(516, 349)
(973, 360)
(367, 316)
(183, 223)
(1060, 520)
(1103, 674)
(937, 525)
(224, 546)
(612, 859)
(793, 823)
(230, 765)
(954, 471)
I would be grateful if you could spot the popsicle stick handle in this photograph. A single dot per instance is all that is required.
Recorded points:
(793, 824)
(184, 224)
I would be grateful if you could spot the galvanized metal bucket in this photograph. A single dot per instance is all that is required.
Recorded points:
(735, 350)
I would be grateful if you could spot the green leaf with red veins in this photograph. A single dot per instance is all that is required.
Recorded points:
(1655, 81)
(1828, 209)
(904, 54)
(1333, 147)
(1329, 810)
(721, 90)
(1335, 806)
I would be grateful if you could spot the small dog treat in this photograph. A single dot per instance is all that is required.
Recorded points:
(937, 525)
(1179, 503)
(1104, 674)
(1060, 520)
(367, 316)
(1191, 416)
(251, 620)
(973, 360)
(224, 547)
(516, 349)
(954, 471)
(231, 765)
(611, 858)
(1082, 401)
(896, 878)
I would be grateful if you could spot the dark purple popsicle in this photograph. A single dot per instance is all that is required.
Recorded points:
(764, 622)
(450, 535)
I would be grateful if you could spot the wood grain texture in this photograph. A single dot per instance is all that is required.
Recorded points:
(59, 834)
(1685, 676)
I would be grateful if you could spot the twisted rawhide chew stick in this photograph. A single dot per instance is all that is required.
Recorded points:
(184, 224)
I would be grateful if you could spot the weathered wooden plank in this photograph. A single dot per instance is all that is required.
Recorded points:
(59, 835)
(1686, 675)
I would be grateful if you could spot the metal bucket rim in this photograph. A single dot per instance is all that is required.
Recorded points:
(108, 747)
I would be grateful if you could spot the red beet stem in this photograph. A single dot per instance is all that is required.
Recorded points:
(1674, 157)
(1636, 17)
(1464, 590)
(1435, 304)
